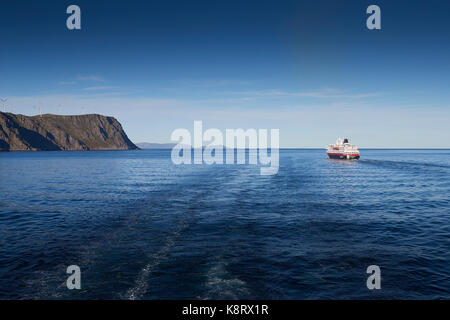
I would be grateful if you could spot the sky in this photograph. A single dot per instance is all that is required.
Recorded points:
(311, 69)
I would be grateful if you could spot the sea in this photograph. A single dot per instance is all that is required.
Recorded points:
(140, 227)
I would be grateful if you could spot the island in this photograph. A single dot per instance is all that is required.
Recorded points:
(50, 132)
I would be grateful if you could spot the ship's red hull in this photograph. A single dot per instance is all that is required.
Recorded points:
(343, 156)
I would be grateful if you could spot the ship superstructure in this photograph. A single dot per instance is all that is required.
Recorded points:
(342, 149)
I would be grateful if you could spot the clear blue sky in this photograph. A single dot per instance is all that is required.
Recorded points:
(309, 68)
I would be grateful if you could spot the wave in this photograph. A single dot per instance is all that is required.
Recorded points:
(393, 163)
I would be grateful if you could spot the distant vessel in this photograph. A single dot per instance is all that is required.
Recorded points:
(342, 149)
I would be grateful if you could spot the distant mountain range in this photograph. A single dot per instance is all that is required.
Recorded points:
(149, 145)
(49, 132)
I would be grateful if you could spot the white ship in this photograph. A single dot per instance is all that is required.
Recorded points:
(342, 149)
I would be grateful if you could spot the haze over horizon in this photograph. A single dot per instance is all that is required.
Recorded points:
(314, 74)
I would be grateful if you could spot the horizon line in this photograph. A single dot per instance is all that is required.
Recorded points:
(294, 148)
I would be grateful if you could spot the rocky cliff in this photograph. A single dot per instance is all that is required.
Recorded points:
(54, 132)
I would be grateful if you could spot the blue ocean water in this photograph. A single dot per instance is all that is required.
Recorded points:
(140, 227)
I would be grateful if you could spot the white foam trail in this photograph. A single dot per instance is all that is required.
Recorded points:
(141, 287)
(221, 284)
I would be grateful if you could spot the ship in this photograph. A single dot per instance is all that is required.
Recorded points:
(342, 149)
